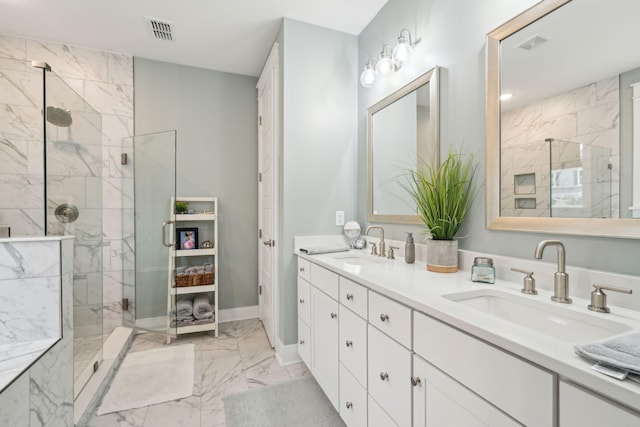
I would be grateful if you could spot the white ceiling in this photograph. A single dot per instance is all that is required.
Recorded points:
(231, 35)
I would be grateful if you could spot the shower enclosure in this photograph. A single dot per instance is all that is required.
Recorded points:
(51, 184)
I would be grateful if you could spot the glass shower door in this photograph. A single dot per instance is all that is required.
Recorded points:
(149, 234)
(74, 206)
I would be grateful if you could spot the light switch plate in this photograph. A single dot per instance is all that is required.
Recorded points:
(339, 217)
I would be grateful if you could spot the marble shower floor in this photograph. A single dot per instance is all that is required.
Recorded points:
(238, 360)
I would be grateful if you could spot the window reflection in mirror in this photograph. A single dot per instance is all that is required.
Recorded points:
(402, 132)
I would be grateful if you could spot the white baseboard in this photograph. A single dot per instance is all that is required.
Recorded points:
(287, 354)
(238, 313)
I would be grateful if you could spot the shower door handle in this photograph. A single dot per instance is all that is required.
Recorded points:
(164, 234)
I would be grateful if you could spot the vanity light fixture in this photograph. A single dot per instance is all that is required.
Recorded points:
(388, 61)
(402, 51)
(385, 64)
(368, 76)
(506, 96)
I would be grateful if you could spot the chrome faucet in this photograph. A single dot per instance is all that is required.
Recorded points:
(561, 278)
(381, 247)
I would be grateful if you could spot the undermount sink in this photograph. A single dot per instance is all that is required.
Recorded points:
(542, 317)
(358, 259)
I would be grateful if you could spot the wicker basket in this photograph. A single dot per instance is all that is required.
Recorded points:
(194, 280)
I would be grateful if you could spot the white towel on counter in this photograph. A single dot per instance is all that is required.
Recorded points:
(621, 352)
(325, 249)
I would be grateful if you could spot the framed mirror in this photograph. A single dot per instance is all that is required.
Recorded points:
(402, 132)
(560, 114)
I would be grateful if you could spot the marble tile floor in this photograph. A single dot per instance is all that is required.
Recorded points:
(238, 360)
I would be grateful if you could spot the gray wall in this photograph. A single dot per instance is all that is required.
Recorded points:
(215, 116)
(452, 35)
(319, 144)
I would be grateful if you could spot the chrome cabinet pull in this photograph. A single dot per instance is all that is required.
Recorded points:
(384, 376)
(349, 296)
(301, 301)
(301, 341)
(384, 317)
(334, 315)
(301, 269)
(349, 343)
(415, 381)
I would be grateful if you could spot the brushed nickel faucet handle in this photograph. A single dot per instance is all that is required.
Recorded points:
(599, 298)
(528, 282)
(374, 249)
(391, 254)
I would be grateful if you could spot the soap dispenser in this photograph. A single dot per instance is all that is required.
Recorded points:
(409, 249)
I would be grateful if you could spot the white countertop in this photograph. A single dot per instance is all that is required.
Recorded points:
(422, 290)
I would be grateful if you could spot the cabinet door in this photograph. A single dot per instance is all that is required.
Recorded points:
(377, 416)
(353, 344)
(438, 400)
(579, 407)
(324, 347)
(390, 376)
(353, 400)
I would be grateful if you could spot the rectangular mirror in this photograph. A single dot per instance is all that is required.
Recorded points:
(560, 120)
(402, 131)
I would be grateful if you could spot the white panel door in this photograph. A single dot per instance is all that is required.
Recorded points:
(266, 204)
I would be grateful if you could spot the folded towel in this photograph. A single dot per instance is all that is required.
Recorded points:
(620, 352)
(192, 321)
(180, 270)
(208, 268)
(184, 307)
(325, 249)
(201, 307)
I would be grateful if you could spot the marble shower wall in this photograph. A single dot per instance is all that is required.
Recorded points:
(105, 81)
(589, 115)
(43, 394)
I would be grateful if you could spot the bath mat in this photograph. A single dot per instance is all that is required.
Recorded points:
(149, 377)
(294, 403)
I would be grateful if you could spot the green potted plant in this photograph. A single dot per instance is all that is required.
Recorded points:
(181, 207)
(442, 195)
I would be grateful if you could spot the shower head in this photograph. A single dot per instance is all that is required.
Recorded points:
(59, 117)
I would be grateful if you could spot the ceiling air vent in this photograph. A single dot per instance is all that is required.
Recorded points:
(533, 43)
(160, 30)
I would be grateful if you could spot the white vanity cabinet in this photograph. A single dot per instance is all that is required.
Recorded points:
(439, 400)
(518, 388)
(318, 325)
(579, 407)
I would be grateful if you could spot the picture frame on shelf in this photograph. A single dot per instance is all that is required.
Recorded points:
(187, 238)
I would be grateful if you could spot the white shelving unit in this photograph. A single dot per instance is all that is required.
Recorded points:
(207, 225)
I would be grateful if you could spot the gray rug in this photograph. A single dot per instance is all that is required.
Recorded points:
(294, 403)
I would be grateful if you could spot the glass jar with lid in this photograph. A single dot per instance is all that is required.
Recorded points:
(483, 270)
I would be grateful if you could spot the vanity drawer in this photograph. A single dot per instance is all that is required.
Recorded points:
(304, 343)
(353, 296)
(353, 344)
(304, 269)
(377, 417)
(389, 376)
(353, 400)
(392, 318)
(518, 388)
(304, 300)
(325, 280)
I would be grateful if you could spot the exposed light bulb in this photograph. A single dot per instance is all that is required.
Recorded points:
(402, 52)
(384, 64)
(368, 76)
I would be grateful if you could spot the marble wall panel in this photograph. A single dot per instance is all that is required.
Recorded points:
(20, 260)
(13, 156)
(21, 121)
(28, 191)
(23, 222)
(71, 159)
(21, 88)
(14, 403)
(70, 61)
(13, 47)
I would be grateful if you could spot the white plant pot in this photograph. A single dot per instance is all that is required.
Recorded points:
(442, 256)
